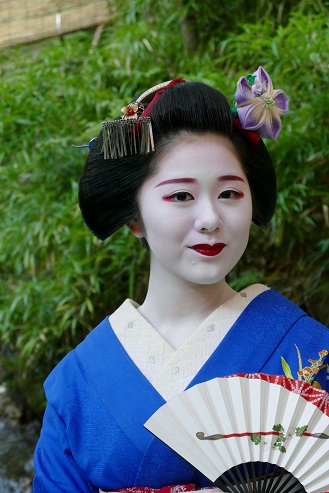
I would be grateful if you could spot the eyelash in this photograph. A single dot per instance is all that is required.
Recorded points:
(236, 194)
(233, 195)
(174, 197)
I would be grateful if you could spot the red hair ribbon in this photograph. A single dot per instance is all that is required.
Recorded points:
(251, 136)
(147, 112)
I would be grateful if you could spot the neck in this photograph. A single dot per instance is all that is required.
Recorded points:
(176, 309)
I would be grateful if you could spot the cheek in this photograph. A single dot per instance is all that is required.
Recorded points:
(240, 220)
(154, 227)
(246, 214)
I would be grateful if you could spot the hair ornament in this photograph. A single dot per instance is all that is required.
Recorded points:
(127, 136)
(132, 132)
(85, 146)
(258, 106)
(132, 110)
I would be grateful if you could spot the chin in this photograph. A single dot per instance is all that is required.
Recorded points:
(207, 280)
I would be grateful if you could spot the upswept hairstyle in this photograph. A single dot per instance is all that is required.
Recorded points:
(108, 188)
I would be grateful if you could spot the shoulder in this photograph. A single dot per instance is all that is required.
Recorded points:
(292, 339)
(272, 315)
(272, 298)
(298, 325)
(77, 369)
(279, 306)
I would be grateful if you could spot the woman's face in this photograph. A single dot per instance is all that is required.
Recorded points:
(195, 211)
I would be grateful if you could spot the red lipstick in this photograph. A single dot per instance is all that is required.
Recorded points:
(208, 250)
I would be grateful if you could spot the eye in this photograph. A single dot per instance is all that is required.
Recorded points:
(230, 194)
(179, 197)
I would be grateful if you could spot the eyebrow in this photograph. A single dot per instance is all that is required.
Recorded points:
(230, 178)
(176, 180)
(192, 180)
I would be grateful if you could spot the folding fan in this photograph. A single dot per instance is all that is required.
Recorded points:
(251, 433)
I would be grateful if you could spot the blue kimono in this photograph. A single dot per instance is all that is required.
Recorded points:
(98, 400)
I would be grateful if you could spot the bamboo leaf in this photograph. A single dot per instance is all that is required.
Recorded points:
(286, 368)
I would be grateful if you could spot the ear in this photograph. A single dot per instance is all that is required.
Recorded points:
(136, 228)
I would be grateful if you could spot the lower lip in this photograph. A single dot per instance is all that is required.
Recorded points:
(211, 252)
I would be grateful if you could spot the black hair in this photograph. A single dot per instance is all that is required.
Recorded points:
(108, 188)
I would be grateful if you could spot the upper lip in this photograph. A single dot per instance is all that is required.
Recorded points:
(205, 246)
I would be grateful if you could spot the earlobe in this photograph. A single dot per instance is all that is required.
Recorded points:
(136, 228)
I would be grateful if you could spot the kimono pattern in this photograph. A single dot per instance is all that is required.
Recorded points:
(98, 401)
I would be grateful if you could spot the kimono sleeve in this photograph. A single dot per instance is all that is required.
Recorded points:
(55, 468)
(303, 352)
(312, 349)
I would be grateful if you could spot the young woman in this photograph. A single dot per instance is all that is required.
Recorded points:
(188, 177)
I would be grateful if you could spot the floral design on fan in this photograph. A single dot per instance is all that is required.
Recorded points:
(264, 443)
(309, 372)
(278, 433)
(281, 437)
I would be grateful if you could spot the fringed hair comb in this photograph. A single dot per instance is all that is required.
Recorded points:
(131, 133)
(127, 137)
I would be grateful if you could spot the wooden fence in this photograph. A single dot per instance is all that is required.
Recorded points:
(23, 21)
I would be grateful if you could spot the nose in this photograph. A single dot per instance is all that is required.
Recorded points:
(207, 219)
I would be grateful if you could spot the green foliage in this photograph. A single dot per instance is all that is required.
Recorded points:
(57, 280)
(286, 368)
(300, 430)
(279, 428)
(256, 438)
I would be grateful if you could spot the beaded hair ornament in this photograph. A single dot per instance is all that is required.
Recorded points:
(257, 108)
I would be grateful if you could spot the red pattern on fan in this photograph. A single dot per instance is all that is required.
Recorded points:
(318, 397)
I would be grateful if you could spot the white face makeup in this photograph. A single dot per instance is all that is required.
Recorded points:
(195, 211)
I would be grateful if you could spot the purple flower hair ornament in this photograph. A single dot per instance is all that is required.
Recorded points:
(259, 106)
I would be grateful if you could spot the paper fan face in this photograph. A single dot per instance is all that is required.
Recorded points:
(251, 433)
